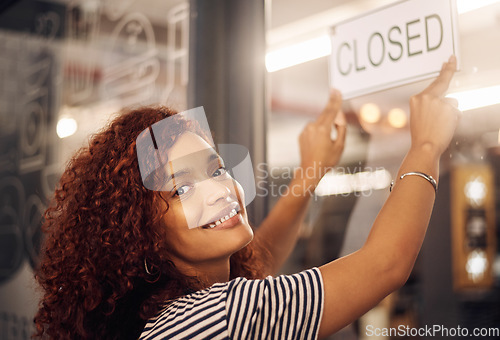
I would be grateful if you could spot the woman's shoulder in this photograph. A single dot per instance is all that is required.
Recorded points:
(285, 306)
(188, 315)
(197, 299)
(210, 309)
(308, 276)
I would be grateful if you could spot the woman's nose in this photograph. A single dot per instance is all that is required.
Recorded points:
(216, 191)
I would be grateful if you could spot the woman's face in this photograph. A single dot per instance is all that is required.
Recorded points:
(206, 219)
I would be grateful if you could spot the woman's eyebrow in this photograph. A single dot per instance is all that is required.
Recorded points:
(180, 173)
(215, 156)
(186, 171)
(212, 156)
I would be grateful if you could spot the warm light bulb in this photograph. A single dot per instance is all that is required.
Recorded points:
(475, 190)
(370, 113)
(476, 266)
(66, 127)
(397, 118)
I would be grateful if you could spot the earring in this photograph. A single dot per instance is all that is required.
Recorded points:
(146, 267)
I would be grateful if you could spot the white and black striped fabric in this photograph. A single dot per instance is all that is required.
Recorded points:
(285, 307)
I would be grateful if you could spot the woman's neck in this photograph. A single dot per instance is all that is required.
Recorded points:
(209, 272)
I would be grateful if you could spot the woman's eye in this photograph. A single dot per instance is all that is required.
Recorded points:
(219, 172)
(182, 190)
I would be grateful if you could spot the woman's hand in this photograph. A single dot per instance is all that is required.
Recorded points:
(356, 283)
(434, 118)
(318, 152)
(280, 230)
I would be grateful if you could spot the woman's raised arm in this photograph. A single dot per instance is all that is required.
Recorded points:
(318, 153)
(357, 282)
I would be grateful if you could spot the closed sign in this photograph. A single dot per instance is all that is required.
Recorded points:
(392, 46)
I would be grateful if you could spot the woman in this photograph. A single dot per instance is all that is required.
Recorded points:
(123, 261)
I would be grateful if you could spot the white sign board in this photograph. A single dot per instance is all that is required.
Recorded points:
(402, 43)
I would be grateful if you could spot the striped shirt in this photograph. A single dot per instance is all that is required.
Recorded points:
(285, 307)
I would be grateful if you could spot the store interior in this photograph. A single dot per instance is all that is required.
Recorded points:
(68, 66)
(436, 292)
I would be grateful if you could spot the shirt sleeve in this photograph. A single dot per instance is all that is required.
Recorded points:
(285, 307)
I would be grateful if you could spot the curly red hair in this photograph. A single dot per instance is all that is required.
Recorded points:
(100, 227)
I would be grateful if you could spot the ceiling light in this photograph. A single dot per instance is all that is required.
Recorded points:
(298, 53)
(464, 6)
(361, 182)
(473, 99)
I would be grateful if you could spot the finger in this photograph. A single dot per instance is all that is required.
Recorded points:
(439, 86)
(340, 119)
(327, 117)
(341, 134)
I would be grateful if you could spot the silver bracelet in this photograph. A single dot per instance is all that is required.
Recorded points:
(421, 174)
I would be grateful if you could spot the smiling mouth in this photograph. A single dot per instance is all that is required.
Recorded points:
(232, 213)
